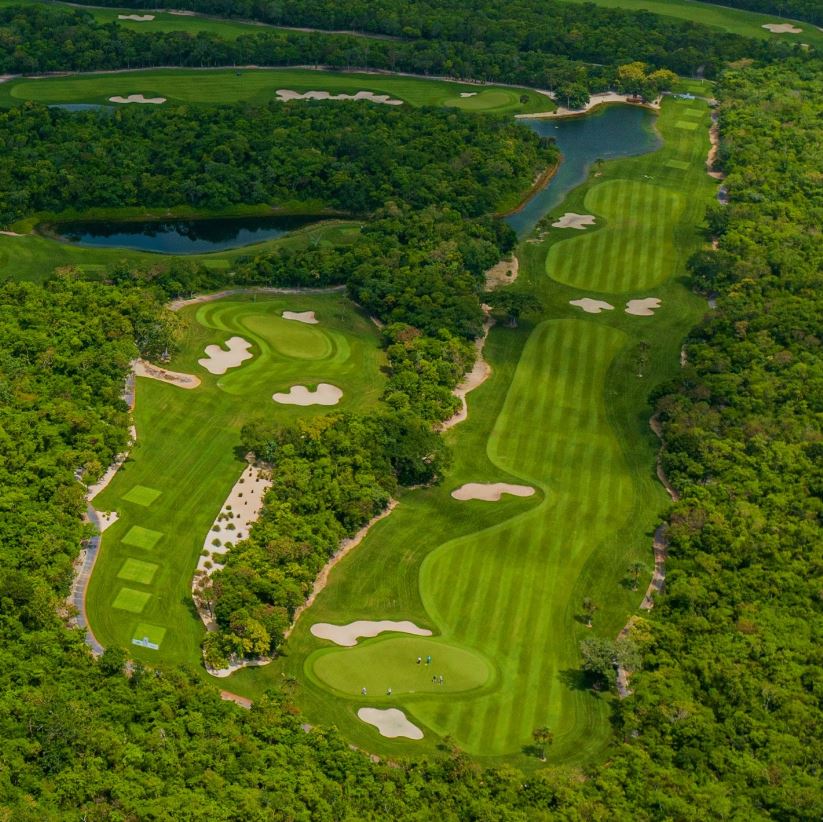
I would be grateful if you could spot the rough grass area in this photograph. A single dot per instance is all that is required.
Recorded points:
(260, 86)
(565, 410)
(188, 449)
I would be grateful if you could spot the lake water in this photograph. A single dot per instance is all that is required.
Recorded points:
(607, 133)
(180, 236)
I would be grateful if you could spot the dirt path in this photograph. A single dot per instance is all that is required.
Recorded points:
(480, 372)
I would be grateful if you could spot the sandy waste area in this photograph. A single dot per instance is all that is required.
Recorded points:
(592, 306)
(349, 634)
(390, 722)
(285, 95)
(491, 491)
(218, 360)
(138, 98)
(782, 28)
(324, 394)
(301, 317)
(642, 308)
(572, 220)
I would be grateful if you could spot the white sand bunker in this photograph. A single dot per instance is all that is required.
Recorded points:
(391, 722)
(782, 28)
(218, 361)
(491, 491)
(142, 368)
(591, 306)
(642, 308)
(138, 98)
(468, 94)
(138, 18)
(324, 394)
(301, 317)
(285, 95)
(572, 220)
(349, 634)
(107, 519)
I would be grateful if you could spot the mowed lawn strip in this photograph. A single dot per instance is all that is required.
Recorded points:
(187, 449)
(209, 86)
(566, 411)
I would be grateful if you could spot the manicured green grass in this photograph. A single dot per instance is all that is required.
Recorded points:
(135, 570)
(736, 21)
(633, 247)
(140, 495)
(188, 449)
(141, 537)
(143, 631)
(565, 411)
(260, 86)
(392, 663)
(131, 600)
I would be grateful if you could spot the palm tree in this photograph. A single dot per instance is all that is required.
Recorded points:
(543, 737)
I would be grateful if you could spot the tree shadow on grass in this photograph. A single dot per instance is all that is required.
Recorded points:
(578, 680)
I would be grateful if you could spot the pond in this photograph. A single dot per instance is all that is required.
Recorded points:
(607, 133)
(178, 236)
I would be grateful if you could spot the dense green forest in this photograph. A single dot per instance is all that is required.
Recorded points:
(350, 157)
(563, 45)
(725, 716)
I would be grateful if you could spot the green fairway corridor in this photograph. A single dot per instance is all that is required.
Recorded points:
(566, 412)
(186, 457)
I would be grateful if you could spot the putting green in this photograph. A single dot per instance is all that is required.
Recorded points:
(187, 453)
(392, 663)
(141, 495)
(686, 125)
(141, 537)
(130, 599)
(634, 246)
(135, 570)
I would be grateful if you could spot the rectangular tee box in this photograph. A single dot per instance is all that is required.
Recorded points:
(141, 495)
(686, 125)
(132, 600)
(148, 635)
(141, 537)
(135, 570)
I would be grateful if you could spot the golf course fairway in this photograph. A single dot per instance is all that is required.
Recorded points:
(566, 412)
(186, 457)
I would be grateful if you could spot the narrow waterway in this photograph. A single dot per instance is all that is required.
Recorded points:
(607, 133)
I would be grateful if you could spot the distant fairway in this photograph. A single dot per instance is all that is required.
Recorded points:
(261, 85)
(634, 250)
(565, 411)
(735, 21)
(185, 460)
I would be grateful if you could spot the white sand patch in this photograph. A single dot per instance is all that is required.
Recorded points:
(504, 273)
(107, 519)
(591, 306)
(285, 95)
(468, 94)
(324, 394)
(642, 308)
(599, 99)
(782, 28)
(142, 368)
(349, 634)
(491, 491)
(241, 509)
(138, 18)
(346, 546)
(301, 317)
(572, 220)
(182, 13)
(138, 98)
(10, 234)
(480, 372)
(218, 361)
(238, 665)
(391, 722)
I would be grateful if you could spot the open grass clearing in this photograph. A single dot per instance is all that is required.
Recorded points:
(141, 495)
(131, 600)
(564, 411)
(188, 450)
(209, 86)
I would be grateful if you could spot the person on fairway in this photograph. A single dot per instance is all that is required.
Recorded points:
(428, 660)
(441, 679)
(388, 691)
(363, 690)
(419, 659)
